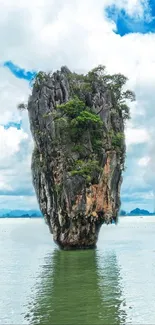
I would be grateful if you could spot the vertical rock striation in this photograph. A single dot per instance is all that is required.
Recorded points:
(77, 123)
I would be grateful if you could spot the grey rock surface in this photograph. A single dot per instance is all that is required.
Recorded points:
(73, 208)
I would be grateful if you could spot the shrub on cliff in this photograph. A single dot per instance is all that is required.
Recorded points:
(82, 85)
(80, 119)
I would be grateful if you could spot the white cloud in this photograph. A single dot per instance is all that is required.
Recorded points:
(4, 186)
(24, 202)
(10, 140)
(12, 92)
(135, 136)
(15, 175)
(144, 161)
(47, 34)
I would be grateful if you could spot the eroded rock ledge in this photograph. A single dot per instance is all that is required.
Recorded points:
(77, 123)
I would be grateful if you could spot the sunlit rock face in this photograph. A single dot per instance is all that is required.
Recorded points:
(77, 123)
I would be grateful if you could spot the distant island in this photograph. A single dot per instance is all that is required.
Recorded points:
(136, 212)
(20, 213)
(6, 213)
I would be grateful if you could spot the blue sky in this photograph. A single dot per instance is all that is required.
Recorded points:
(18, 71)
(120, 35)
(16, 125)
(126, 24)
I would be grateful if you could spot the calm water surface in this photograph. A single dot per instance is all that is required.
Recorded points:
(114, 284)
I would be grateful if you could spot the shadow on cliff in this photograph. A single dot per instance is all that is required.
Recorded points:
(78, 287)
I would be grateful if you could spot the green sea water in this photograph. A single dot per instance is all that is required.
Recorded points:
(114, 284)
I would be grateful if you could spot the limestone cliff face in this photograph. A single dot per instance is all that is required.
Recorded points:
(76, 168)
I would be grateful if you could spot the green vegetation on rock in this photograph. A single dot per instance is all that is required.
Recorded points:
(85, 129)
(87, 169)
(117, 139)
(81, 85)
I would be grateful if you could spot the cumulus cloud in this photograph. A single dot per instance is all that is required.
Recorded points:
(12, 92)
(15, 142)
(47, 34)
(143, 161)
(10, 140)
(134, 136)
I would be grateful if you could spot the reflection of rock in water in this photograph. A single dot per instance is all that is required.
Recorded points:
(75, 291)
(110, 290)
